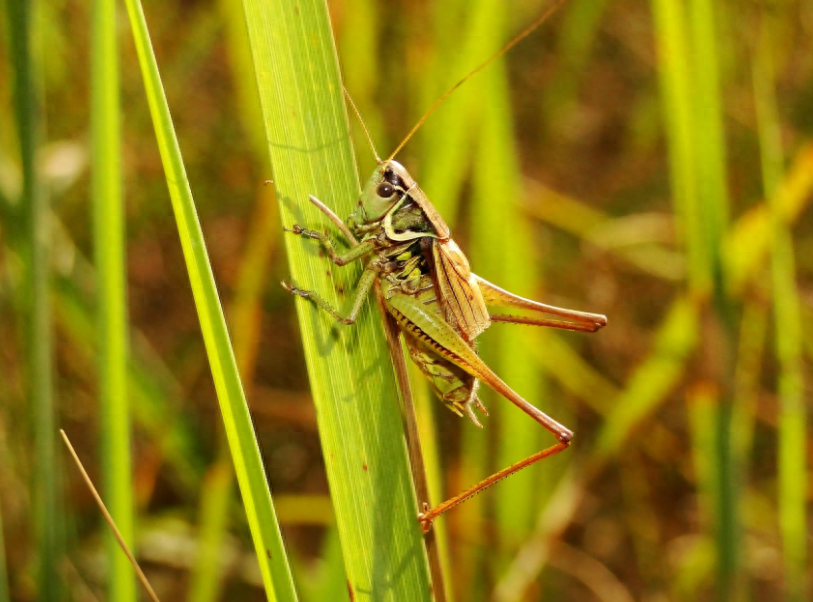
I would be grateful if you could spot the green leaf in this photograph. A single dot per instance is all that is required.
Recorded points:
(239, 429)
(350, 370)
(108, 229)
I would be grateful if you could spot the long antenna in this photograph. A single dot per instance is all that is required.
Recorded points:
(363, 125)
(513, 42)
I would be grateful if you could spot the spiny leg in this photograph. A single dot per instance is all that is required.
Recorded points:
(362, 289)
(327, 243)
(433, 330)
(441, 338)
(560, 324)
(427, 516)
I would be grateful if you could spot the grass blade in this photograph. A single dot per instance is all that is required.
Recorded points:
(693, 112)
(36, 297)
(242, 440)
(503, 254)
(108, 229)
(350, 370)
(787, 324)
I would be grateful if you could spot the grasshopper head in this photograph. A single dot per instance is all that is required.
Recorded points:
(385, 187)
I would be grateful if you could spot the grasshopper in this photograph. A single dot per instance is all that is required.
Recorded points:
(428, 288)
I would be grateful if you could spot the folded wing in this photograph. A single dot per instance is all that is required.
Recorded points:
(458, 290)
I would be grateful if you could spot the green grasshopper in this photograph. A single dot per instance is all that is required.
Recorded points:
(428, 288)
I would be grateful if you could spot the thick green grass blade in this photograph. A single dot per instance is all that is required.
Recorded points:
(108, 229)
(351, 374)
(242, 440)
(36, 297)
(788, 327)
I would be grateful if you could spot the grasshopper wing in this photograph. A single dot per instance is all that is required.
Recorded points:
(458, 290)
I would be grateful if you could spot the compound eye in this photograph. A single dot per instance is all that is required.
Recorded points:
(385, 190)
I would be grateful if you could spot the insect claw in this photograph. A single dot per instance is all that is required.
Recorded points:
(470, 414)
(304, 232)
(426, 524)
(267, 182)
(475, 401)
(294, 290)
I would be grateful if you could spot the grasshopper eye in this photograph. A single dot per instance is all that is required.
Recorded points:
(385, 190)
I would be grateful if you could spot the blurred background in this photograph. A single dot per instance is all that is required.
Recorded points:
(649, 161)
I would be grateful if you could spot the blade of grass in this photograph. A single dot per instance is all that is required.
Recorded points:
(244, 316)
(676, 84)
(108, 229)
(351, 375)
(689, 75)
(245, 312)
(447, 151)
(787, 324)
(216, 493)
(703, 405)
(709, 165)
(262, 519)
(503, 253)
(36, 297)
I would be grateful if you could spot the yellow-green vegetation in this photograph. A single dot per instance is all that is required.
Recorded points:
(652, 162)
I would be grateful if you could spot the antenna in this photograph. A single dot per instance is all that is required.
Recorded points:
(363, 125)
(511, 43)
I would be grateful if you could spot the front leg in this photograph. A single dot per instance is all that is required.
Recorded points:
(362, 290)
(326, 241)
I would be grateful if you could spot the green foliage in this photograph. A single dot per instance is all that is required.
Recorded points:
(239, 429)
(648, 161)
(108, 226)
(350, 371)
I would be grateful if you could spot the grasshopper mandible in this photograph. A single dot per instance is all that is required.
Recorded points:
(428, 288)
